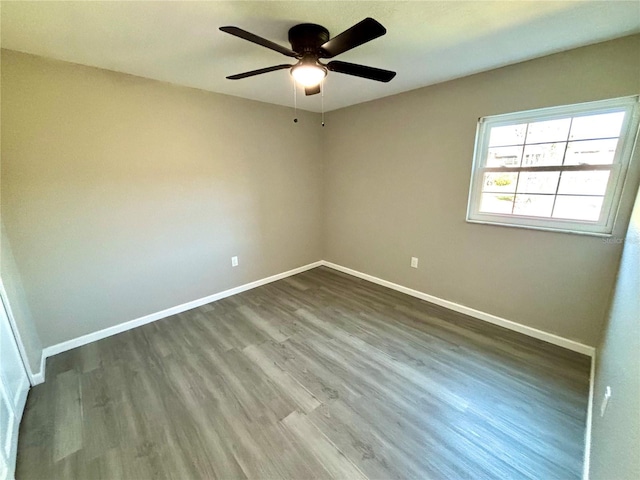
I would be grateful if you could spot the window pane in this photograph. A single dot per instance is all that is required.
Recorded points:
(591, 152)
(543, 154)
(593, 182)
(496, 203)
(549, 131)
(597, 126)
(578, 208)
(504, 157)
(508, 135)
(533, 205)
(499, 182)
(538, 182)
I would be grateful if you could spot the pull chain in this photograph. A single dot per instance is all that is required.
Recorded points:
(295, 102)
(322, 99)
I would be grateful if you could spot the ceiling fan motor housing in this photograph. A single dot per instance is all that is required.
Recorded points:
(306, 38)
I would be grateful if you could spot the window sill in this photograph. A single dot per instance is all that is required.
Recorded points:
(544, 229)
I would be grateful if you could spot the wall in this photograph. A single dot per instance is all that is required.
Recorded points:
(397, 174)
(615, 438)
(123, 196)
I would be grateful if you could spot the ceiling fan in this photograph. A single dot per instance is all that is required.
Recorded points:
(310, 43)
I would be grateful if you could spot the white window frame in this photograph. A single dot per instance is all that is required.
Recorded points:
(604, 225)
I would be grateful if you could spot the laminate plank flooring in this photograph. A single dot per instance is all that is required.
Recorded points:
(321, 375)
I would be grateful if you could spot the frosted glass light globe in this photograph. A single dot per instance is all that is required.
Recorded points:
(308, 75)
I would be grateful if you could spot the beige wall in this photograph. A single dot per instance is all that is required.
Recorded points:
(616, 436)
(123, 196)
(396, 184)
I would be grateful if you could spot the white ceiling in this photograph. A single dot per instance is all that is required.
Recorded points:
(426, 42)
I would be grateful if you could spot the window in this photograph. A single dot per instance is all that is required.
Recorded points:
(559, 168)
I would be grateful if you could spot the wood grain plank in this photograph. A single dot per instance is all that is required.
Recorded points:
(263, 324)
(289, 386)
(68, 413)
(329, 456)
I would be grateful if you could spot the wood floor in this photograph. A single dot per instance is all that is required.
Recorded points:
(321, 375)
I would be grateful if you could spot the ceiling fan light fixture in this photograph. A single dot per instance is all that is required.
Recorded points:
(310, 43)
(308, 75)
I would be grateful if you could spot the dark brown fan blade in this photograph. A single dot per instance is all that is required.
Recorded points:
(360, 33)
(238, 32)
(312, 90)
(361, 71)
(258, 72)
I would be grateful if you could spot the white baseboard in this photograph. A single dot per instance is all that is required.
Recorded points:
(38, 378)
(123, 327)
(472, 312)
(487, 317)
(586, 464)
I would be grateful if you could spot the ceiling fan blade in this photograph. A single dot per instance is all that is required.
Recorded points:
(363, 71)
(259, 71)
(360, 33)
(312, 90)
(238, 32)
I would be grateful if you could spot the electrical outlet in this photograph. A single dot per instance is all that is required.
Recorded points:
(605, 400)
(234, 261)
(414, 262)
